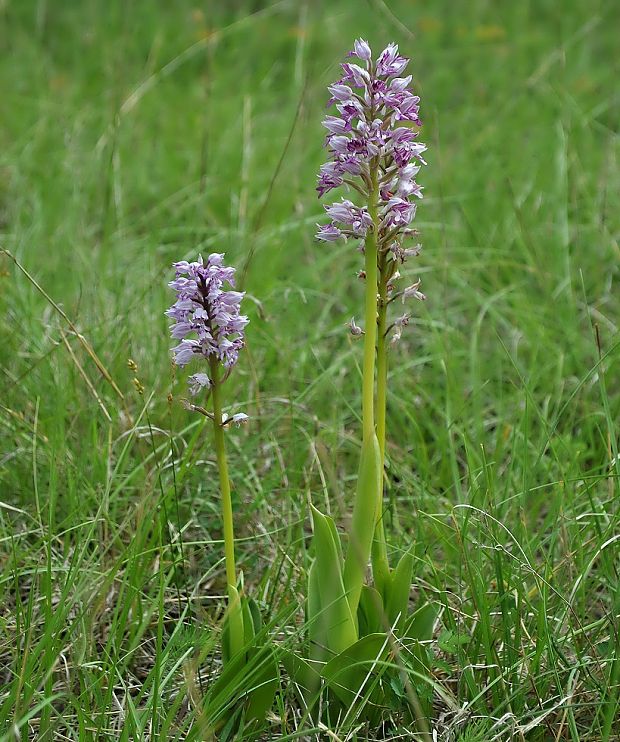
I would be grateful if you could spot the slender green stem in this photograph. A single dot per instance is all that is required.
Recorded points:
(222, 465)
(236, 636)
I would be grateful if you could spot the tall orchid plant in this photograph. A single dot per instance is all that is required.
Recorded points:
(374, 150)
(374, 153)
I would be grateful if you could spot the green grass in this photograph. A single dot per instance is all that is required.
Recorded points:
(137, 133)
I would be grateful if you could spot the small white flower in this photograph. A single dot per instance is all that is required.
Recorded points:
(412, 292)
(354, 328)
(238, 419)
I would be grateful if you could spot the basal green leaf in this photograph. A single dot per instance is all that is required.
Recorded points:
(306, 679)
(352, 673)
(363, 522)
(335, 617)
(248, 622)
(399, 588)
(265, 682)
(234, 631)
(370, 611)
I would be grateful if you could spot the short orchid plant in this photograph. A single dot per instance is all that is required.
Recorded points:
(209, 326)
(208, 323)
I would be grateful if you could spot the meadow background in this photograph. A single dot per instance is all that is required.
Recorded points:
(137, 133)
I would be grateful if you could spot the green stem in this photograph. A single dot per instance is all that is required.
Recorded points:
(235, 620)
(222, 465)
(363, 521)
(370, 337)
(382, 364)
(380, 564)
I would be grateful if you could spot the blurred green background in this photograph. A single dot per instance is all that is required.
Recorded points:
(137, 133)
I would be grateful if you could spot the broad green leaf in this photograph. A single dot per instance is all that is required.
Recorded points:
(399, 588)
(265, 682)
(352, 673)
(335, 537)
(248, 622)
(303, 675)
(315, 619)
(250, 679)
(233, 635)
(420, 625)
(363, 521)
(313, 603)
(370, 611)
(335, 616)
(257, 620)
(378, 556)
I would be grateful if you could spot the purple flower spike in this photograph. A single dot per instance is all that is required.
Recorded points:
(373, 151)
(372, 99)
(206, 316)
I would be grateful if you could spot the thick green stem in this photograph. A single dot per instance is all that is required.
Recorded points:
(369, 476)
(382, 363)
(234, 608)
(380, 564)
(370, 337)
(366, 537)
